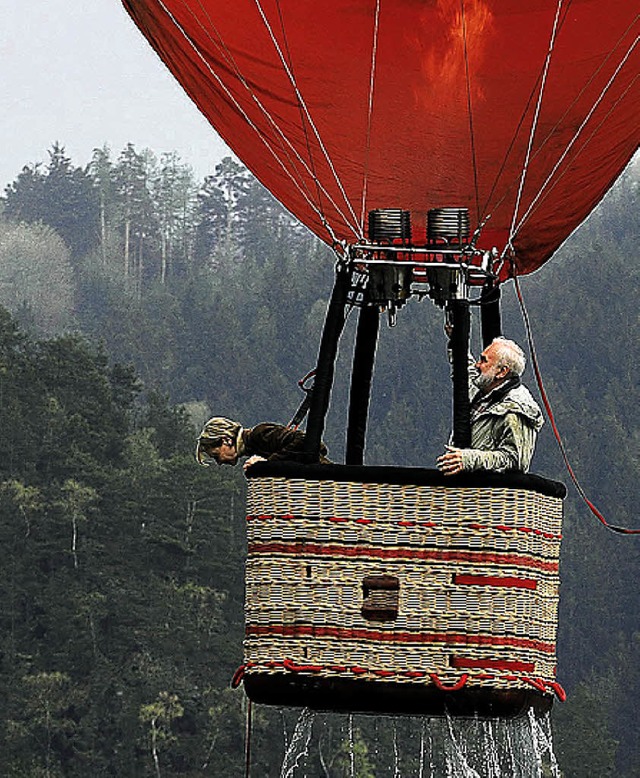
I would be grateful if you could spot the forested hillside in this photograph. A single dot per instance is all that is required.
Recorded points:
(143, 301)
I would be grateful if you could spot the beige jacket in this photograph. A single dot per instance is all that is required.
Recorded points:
(503, 431)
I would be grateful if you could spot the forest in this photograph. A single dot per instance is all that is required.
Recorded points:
(135, 302)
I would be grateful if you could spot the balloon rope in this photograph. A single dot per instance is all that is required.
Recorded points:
(224, 51)
(470, 110)
(303, 123)
(579, 131)
(552, 421)
(534, 123)
(570, 106)
(374, 55)
(552, 131)
(312, 124)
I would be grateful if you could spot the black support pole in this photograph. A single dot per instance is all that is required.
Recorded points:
(325, 368)
(461, 321)
(361, 377)
(490, 313)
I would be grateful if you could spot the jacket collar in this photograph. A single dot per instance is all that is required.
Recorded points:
(497, 394)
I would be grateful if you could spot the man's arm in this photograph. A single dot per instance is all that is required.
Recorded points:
(511, 448)
(277, 442)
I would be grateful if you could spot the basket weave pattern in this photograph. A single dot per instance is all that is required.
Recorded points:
(473, 596)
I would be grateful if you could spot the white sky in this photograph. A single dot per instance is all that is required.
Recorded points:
(79, 72)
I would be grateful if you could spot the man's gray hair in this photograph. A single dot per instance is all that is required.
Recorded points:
(510, 355)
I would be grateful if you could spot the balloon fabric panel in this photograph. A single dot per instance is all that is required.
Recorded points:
(344, 107)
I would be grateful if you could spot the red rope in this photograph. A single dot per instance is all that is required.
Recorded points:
(560, 692)
(287, 664)
(552, 421)
(237, 677)
(455, 687)
(537, 683)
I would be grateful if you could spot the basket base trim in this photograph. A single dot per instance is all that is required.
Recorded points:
(433, 698)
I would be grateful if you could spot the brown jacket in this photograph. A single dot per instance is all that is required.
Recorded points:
(275, 442)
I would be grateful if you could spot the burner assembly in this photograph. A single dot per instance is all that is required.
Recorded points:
(442, 265)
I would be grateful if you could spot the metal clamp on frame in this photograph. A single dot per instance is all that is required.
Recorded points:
(396, 266)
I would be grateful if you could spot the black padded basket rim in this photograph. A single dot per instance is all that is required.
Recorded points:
(406, 476)
(368, 697)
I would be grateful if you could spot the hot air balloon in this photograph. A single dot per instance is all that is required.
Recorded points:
(441, 148)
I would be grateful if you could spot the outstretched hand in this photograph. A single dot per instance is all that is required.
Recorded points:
(451, 463)
(252, 460)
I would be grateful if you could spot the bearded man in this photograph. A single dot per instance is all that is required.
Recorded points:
(505, 419)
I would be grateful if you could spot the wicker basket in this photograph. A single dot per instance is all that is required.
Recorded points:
(398, 590)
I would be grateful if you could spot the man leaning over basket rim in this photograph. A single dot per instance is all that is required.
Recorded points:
(225, 441)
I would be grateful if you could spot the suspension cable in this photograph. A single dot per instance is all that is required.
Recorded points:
(534, 123)
(374, 56)
(552, 421)
(224, 51)
(609, 54)
(303, 122)
(514, 138)
(470, 110)
(577, 133)
(573, 103)
(304, 107)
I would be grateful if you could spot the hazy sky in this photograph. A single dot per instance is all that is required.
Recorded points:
(79, 72)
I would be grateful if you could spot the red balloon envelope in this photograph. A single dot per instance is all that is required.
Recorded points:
(522, 111)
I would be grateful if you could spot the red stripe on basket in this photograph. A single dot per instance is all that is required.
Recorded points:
(406, 523)
(510, 582)
(526, 530)
(341, 633)
(460, 662)
(476, 557)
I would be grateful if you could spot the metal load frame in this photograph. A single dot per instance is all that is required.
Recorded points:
(382, 273)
